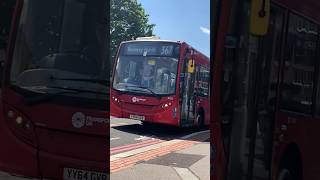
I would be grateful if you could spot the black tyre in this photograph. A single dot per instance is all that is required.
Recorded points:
(291, 170)
(145, 123)
(200, 119)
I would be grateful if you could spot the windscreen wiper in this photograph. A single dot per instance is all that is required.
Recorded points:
(145, 88)
(98, 81)
(48, 96)
(152, 92)
(121, 91)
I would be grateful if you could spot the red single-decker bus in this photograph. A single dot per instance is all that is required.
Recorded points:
(158, 81)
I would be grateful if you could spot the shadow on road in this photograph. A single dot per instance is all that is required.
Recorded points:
(159, 131)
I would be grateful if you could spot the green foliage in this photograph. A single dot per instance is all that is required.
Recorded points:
(128, 21)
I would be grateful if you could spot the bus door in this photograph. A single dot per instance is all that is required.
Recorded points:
(192, 95)
(187, 94)
(262, 105)
(197, 91)
(248, 110)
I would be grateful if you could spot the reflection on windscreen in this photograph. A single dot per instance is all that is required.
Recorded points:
(61, 38)
(146, 74)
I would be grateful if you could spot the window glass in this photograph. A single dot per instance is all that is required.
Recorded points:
(6, 11)
(62, 39)
(299, 64)
(151, 75)
(203, 82)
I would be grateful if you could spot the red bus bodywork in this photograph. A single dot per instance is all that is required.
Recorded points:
(301, 130)
(152, 108)
(295, 134)
(42, 139)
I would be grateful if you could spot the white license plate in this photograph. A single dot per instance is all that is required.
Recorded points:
(137, 117)
(78, 174)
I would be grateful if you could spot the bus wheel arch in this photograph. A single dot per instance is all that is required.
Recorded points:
(290, 167)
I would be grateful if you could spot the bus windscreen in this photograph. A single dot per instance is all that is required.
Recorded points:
(147, 68)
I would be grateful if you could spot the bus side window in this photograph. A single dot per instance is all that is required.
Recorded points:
(203, 83)
(2, 53)
(6, 11)
(197, 81)
(299, 74)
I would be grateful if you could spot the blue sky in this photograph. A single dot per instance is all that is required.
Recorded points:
(185, 20)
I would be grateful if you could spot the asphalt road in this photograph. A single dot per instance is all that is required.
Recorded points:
(126, 131)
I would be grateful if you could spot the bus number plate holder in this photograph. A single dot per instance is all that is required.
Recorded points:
(78, 174)
(137, 117)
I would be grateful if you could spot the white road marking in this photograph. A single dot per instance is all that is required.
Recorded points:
(115, 138)
(122, 124)
(185, 174)
(118, 124)
(142, 138)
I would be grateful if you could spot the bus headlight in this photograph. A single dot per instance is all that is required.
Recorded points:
(10, 114)
(20, 125)
(19, 120)
(166, 105)
(116, 99)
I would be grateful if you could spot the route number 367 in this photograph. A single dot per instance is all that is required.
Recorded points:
(166, 50)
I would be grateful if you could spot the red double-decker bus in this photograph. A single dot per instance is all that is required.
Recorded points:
(160, 81)
(54, 90)
(267, 127)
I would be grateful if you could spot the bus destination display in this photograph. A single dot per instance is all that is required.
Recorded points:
(150, 49)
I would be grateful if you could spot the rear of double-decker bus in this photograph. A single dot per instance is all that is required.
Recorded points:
(151, 84)
(55, 91)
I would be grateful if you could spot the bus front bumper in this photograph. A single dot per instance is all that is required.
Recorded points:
(60, 167)
(163, 117)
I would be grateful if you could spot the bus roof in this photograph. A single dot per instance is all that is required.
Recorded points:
(155, 40)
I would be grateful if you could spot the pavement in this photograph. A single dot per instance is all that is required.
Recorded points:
(186, 158)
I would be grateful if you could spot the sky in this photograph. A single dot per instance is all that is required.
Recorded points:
(184, 20)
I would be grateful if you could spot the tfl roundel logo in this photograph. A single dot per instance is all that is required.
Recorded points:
(135, 99)
(78, 119)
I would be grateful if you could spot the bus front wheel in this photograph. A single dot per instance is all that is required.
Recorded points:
(285, 174)
(146, 123)
(291, 170)
(200, 119)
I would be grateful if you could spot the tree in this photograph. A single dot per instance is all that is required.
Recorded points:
(128, 21)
